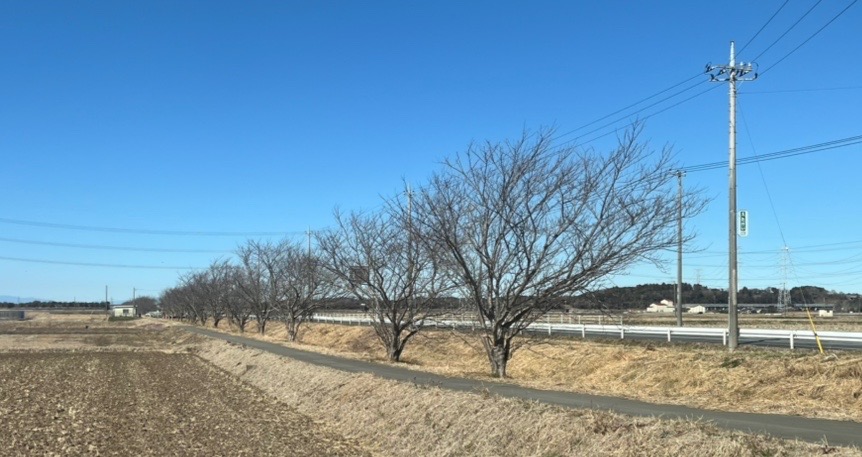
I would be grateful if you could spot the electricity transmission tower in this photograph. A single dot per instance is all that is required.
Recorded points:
(732, 74)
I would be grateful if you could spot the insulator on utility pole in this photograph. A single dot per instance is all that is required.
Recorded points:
(732, 74)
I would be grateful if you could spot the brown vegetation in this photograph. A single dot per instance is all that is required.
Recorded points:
(399, 419)
(752, 379)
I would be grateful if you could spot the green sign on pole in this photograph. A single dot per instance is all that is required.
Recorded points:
(743, 223)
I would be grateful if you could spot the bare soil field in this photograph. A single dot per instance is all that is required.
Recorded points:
(96, 398)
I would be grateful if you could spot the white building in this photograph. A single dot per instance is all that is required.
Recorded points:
(124, 311)
(665, 306)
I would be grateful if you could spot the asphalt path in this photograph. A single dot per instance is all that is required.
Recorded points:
(836, 433)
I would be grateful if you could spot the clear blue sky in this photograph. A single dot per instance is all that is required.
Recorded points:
(262, 116)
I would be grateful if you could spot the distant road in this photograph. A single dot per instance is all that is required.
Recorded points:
(836, 433)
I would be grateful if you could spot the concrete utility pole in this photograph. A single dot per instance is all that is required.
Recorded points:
(732, 73)
(679, 175)
(308, 232)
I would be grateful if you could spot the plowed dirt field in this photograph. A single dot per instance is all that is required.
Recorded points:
(97, 402)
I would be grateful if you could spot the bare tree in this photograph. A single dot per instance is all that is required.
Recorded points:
(236, 307)
(523, 223)
(377, 258)
(253, 281)
(217, 285)
(306, 284)
(193, 295)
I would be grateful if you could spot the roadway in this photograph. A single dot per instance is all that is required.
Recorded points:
(836, 433)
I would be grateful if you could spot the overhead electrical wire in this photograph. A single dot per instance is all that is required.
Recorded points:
(785, 91)
(113, 248)
(698, 75)
(787, 31)
(809, 38)
(106, 265)
(764, 25)
(641, 118)
(139, 231)
(835, 144)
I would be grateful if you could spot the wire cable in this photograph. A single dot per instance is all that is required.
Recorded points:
(835, 144)
(787, 31)
(762, 176)
(139, 231)
(114, 248)
(627, 107)
(810, 37)
(105, 265)
(764, 25)
(640, 118)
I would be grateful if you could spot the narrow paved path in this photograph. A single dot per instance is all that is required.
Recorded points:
(836, 433)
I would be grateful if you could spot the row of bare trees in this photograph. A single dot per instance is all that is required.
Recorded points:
(271, 280)
(510, 228)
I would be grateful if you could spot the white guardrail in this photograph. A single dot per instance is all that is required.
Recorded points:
(791, 336)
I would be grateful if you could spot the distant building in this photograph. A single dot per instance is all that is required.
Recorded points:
(124, 311)
(664, 306)
(699, 309)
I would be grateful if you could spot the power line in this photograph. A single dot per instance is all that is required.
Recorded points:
(785, 91)
(788, 30)
(114, 248)
(105, 265)
(844, 142)
(140, 231)
(764, 25)
(640, 118)
(629, 106)
(810, 37)
(763, 177)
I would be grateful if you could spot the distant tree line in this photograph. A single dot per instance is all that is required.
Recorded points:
(641, 296)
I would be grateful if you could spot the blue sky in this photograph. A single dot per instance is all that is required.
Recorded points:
(251, 117)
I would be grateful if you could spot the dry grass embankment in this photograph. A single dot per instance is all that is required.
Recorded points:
(400, 419)
(750, 380)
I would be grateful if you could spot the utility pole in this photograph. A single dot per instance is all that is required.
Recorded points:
(731, 73)
(679, 175)
(784, 295)
(308, 232)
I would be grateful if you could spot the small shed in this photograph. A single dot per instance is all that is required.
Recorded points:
(124, 311)
(699, 309)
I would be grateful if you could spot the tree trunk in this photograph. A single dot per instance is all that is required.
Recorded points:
(292, 328)
(216, 320)
(499, 352)
(394, 350)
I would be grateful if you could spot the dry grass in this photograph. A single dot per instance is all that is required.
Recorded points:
(400, 419)
(751, 380)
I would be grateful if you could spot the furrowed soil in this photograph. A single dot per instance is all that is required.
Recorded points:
(99, 398)
(151, 388)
